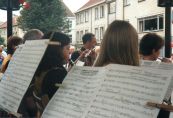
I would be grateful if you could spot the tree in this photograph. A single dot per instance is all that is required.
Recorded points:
(2, 40)
(46, 15)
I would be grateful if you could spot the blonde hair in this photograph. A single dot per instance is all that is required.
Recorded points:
(119, 45)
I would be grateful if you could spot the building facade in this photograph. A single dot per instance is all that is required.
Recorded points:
(16, 30)
(70, 17)
(96, 15)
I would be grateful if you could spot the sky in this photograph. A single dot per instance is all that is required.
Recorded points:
(73, 5)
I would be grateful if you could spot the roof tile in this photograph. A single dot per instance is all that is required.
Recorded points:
(90, 3)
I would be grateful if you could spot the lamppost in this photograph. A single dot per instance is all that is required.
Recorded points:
(10, 6)
(167, 4)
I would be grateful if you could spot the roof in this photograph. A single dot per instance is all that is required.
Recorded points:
(14, 22)
(90, 3)
(67, 10)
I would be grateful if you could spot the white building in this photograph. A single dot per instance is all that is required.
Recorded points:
(71, 22)
(16, 30)
(92, 17)
(95, 16)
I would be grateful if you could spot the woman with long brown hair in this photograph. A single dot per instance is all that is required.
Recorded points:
(119, 45)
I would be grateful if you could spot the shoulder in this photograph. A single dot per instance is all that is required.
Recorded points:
(56, 71)
(56, 74)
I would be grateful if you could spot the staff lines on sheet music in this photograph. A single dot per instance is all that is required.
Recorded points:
(27, 62)
(74, 94)
(8, 101)
(139, 78)
(85, 86)
(71, 95)
(110, 84)
(109, 105)
(54, 114)
(32, 61)
(61, 111)
(165, 66)
(31, 53)
(23, 78)
(82, 99)
(108, 96)
(10, 98)
(16, 77)
(24, 70)
(85, 72)
(13, 88)
(142, 73)
(101, 114)
(11, 91)
(117, 109)
(84, 78)
(119, 100)
(141, 92)
(69, 99)
(81, 81)
(142, 76)
(11, 85)
(79, 94)
(69, 106)
(61, 108)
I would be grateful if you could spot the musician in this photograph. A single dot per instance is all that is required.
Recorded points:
(150, 46)
(86, 54)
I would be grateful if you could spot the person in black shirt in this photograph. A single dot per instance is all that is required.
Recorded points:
(49, 73)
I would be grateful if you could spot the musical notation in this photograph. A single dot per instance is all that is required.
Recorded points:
(111, 91)
(19, 73)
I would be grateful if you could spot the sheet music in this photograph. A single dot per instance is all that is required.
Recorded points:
(115, 91)
(73, 99)
(126, 90)
(19, 73)
(165, 68)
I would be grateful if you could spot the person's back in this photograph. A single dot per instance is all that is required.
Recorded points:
(12, 45)
(119, 45)
(49, 72)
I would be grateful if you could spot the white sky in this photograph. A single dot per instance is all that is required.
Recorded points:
(72, 4)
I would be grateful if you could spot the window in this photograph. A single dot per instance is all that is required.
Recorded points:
(81, 34)
(86, 31)
(77, 19)
(70, 36)
(96, 33)
(101, 11)
(112, 7)
(96, 14)
(70, 24)
(153, 23)
(140, 0)
(81, 18)
(86, 16)
(126, 2)
(77, 36)
(101, 32)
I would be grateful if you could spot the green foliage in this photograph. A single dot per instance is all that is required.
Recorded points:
(2, 40)
(46, 15)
